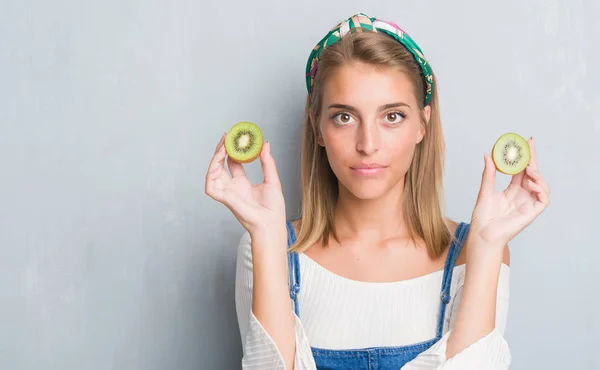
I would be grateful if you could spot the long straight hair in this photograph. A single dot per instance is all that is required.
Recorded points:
(423, 182)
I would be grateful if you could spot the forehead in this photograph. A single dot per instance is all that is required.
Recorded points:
(363, 84)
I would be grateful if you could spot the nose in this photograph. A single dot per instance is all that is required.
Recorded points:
(367, 141)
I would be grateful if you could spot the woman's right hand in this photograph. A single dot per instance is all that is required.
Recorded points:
(256, 206)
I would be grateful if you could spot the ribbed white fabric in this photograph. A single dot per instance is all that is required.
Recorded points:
(340, 313)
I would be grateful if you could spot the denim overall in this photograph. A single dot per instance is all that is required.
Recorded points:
(380, 358)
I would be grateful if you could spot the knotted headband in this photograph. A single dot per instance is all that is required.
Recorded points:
(358, 23)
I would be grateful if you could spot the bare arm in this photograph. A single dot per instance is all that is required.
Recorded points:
(260, 208)
(497, 218)
(476, 315)
(270, 300)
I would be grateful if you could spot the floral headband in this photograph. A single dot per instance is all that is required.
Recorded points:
(358, 23)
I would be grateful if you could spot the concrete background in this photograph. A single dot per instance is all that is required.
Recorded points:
(112, 257)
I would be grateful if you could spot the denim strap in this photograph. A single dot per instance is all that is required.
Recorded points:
(293, 268)
(457, 243)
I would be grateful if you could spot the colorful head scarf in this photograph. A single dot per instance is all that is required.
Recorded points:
(358, 23)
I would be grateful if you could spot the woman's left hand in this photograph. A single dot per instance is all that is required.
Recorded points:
(500, 216)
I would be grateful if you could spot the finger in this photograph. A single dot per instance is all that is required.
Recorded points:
(268, 165)
(532, 155)
(236, 168)
(537, 177)
(542, 198)
(527, 186)
(213, 192)
(218, 161)
(216, 168)
(488, 178)
(221, 142)
(517, 179)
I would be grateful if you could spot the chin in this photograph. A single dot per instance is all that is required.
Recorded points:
(367, 190)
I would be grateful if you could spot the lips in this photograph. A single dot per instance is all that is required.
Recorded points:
(368, 169)
(367, 166)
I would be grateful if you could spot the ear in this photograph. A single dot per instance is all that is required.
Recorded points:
(423, 127)
(427, 111)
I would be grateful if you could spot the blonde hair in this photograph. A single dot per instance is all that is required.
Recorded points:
(423, 182)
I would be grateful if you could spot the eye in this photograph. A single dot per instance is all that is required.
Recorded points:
(394, 118)
(342, 118)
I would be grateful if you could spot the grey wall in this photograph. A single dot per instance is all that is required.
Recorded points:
(112, 257)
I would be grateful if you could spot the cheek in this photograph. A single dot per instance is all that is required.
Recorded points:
(335, 143)
(339, 146)
(401, 148)
(403, 144)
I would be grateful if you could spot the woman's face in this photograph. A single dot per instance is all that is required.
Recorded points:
(370, 124)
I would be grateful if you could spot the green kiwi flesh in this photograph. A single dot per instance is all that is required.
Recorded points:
(511, 153)
(244, 142)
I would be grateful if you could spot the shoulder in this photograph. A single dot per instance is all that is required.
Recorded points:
(462, 256)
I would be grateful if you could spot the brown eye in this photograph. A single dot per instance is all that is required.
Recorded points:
(394, 117)
(343, 118)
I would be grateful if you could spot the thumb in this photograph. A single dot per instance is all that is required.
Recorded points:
(268, 165)
(488, 178)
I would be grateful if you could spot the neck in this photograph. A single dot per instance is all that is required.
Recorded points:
(372, 219)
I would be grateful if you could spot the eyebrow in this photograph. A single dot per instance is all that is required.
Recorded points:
(381, 108)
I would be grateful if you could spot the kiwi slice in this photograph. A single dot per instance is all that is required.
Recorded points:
(511, 153)
(244, 142)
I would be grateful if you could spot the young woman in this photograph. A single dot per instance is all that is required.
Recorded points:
(372, 276)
